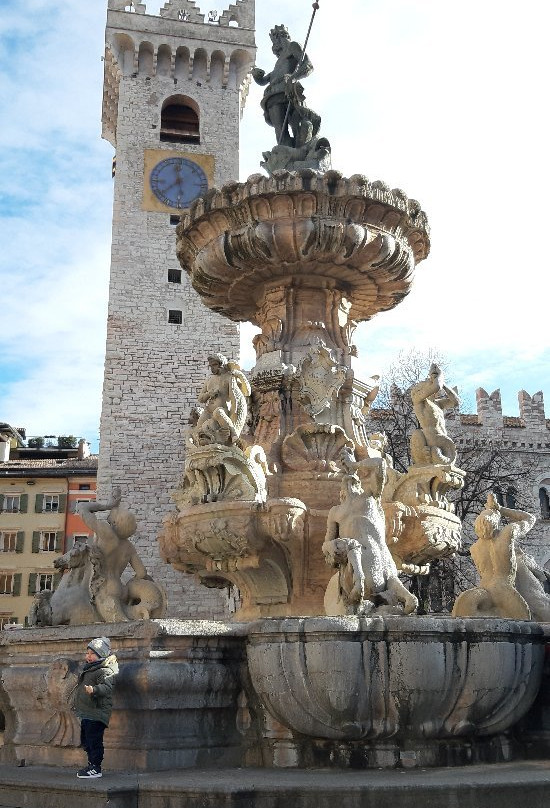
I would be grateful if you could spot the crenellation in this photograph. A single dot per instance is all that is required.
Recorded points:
(127, 5)
(531, 410)
(489, 408)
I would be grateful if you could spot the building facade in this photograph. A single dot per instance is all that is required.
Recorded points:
(174, 89)
(38, 495)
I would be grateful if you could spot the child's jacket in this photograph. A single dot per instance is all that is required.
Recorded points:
(101, 676)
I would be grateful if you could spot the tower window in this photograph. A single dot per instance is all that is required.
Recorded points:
(511, 498)
(179, 124)
(175, 316)
(544, 503)
(174, 276)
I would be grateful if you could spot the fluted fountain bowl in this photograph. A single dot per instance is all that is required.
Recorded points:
(402, 678)
(360, 236)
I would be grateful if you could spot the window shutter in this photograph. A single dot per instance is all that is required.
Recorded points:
(1, 502)
(20, 541)
(62, 503)
(16, 589)
(56, 579)
(23, 503)
(59, 538)
(39, 503)
(33, 577)
(35, 541)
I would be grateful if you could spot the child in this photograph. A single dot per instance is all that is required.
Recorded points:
(93, 701)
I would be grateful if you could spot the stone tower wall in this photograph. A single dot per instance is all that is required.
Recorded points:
(153, 369)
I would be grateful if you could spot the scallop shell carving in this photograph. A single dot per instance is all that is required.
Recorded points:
(315, 447)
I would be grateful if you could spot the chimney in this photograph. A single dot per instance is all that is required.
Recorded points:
(83, 449)
(4, 450)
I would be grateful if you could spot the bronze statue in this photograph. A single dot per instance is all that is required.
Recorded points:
(296, 126)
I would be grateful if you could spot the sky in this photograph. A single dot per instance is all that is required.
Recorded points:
(447, 101)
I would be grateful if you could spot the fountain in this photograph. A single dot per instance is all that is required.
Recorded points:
(306, 254)
(287, 497)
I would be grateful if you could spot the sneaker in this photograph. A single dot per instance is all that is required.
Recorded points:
(89, 771)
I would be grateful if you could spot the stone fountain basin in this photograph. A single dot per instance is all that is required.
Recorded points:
(350, 678)
(356, 233)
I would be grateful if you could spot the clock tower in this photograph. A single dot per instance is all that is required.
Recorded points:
(174, 89)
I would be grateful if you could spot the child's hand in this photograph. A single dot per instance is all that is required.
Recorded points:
(88, 689)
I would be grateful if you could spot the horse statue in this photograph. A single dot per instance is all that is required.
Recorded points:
(82, 596)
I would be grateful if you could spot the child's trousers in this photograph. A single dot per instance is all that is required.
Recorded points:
(91, 739)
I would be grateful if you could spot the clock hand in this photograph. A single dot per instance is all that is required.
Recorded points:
(177, 184)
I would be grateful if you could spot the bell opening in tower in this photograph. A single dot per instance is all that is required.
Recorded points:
(180, 123)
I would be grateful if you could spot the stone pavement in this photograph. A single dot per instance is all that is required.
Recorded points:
(504, 785)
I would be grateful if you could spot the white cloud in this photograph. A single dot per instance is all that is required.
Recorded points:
(445, 101)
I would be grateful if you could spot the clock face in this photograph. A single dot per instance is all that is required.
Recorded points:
(177, 182)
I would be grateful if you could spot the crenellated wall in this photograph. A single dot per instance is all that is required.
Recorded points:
(525, 439)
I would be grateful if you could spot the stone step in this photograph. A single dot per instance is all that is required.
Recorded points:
(49, 787)
(491, 786)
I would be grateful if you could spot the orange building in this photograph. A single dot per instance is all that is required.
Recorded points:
(39, 490)
(81, 489)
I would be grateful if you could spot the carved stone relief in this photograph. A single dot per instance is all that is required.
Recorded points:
(320, 381)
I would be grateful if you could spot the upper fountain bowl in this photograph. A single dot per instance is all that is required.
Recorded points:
(360, 236)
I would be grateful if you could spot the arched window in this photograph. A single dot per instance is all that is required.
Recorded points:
(544, 503)
(511, 498)
(180, 121)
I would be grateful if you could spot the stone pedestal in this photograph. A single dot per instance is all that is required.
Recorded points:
(329, 692)
(175, 699)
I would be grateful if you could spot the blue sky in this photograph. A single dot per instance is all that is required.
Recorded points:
(447, 101)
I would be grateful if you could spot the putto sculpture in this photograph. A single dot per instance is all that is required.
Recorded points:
(296, 126)
(367, 581)
(223, 395)
(502, 592)
(91, 589)
(430, 443)
(422, 524)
